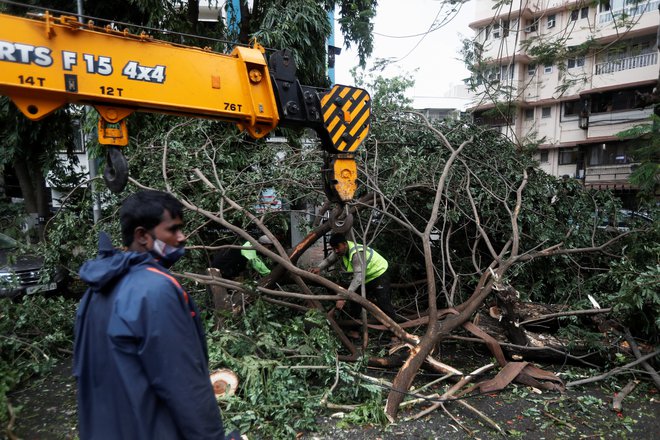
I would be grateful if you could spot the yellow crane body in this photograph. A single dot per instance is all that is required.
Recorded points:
(48, 63)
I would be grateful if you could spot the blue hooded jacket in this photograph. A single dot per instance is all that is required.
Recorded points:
(140, 355)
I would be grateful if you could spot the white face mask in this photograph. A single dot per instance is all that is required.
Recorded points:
(165, 254)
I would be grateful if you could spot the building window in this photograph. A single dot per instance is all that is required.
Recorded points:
(505, 28)
(571, 108)
(618, 100)
(544, 157)
(78, 137)
(484, 32)
(501, 29)
(546, 112)
(506, 72)
(551, 21)
(641, 48)
(496, 30)
(580, 13)
(547, 69)
(532, 26)
(529, 114)
(531, 69)
(568, 156)
(609, 154)
(575, 62)
(513, 24)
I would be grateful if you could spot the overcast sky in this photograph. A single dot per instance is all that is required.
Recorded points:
(431, 56)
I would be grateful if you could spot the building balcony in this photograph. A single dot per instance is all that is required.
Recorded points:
(604, 174)
(604, 18)
(486, 10)
(636, 62)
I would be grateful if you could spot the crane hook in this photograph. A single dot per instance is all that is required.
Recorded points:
(341, 223)
(115, 173)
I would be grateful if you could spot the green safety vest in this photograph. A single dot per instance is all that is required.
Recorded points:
(376, 265)
(253, 259)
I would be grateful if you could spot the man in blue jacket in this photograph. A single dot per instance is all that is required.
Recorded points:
(140, 354)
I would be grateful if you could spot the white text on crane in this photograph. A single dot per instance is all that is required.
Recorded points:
(94, 64)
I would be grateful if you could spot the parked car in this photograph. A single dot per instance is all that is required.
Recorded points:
(20, 274)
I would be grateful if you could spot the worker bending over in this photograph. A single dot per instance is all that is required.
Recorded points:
(232, 262)
(253, 259)
(352, 258)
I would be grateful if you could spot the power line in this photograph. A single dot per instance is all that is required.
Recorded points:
(447, 19)
(431, 29)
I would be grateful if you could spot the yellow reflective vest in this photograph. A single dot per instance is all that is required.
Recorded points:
(375, 264)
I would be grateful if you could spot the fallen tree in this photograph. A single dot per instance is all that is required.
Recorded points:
(494, 254)
(470, 228)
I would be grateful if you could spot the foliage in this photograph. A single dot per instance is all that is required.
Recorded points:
(356, 24)
(369, 413)
(301, 25)
(31, 149)
(646, 176)
(409, 159)
(285, 363)
(11, 216)
(32, 333)
(632, 282)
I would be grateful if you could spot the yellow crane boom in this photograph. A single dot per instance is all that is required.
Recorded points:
(48, 62)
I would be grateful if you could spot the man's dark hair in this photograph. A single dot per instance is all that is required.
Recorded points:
(146, 208)
(335, 239)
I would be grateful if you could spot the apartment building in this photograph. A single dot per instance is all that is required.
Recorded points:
(568, 74)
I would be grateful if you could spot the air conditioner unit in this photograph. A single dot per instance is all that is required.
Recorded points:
(530, 28)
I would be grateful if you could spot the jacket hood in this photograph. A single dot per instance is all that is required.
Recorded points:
(110, 264)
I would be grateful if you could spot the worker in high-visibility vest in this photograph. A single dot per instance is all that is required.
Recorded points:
(253, 260)
(233, 262)
(355, 258)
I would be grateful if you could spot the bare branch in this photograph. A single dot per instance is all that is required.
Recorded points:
(612, 372)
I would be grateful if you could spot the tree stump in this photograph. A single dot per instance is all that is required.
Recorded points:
(221, 298)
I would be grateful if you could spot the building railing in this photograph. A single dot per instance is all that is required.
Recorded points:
(629, 11)
(598, 173)
(636, 62)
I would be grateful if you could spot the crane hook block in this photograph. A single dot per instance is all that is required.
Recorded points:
(340, 176)
(113, 134)
(115, 173)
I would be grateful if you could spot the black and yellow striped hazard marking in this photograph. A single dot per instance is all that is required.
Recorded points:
(346, 112)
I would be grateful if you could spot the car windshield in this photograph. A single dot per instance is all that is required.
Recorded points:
(7, 242)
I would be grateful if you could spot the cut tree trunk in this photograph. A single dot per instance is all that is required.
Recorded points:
(503, 323)
(507, 300)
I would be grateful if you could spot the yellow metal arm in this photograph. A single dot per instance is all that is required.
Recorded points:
(48, 63)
